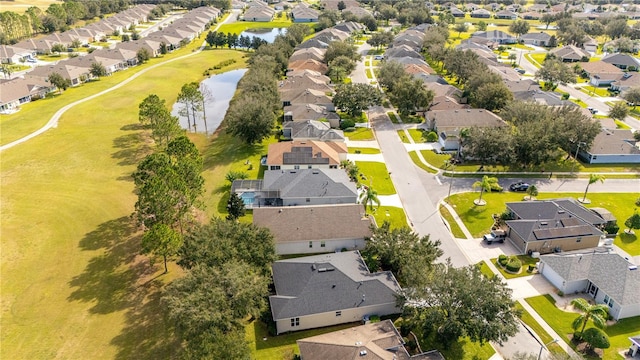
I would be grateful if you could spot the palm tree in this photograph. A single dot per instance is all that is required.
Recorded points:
(593, 178)
(485, 185)
(370, 197)
(532, 191)
(597, 313)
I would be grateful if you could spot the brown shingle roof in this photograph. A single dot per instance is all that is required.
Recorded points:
(319, 149)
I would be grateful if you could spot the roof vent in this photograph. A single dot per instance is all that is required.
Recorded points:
(363, 352)
(322, 269)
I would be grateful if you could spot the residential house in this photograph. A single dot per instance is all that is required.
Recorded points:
(623, 61)
(537, 39)
(75, 74)
(304, 112)
(493, 6)
(110, 65)
(514, 8)
(311, 130)
(14, 55)
(456, 12)
(333, 4)
(306, 81)
(531, 15)
(506, 14)
(316, 54)
(331, 34)
(152, 46)
(303, 187)
(570, 53)
(625, 82)
(349, 26)
(553, 225)
(612, 146)
(444, 102)
(481, 13)
(18, 91)
(496, 36)
(39, 46)
(379, 340)
(590, 45)
(605, 276)
(306, 155)
(402, 51)
(505, 71)
(303, 13)
(308, 64)
(357, 11)
(313, 43)
(634, 349)
(329, 289)
(449, 123)
(260, 13)
(601, 73)
(301, 74)
(308, 96)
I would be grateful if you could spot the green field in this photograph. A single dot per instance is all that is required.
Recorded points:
(560, 321)
(394, 215)
(240, 26)
(78, 288)
(478, 219)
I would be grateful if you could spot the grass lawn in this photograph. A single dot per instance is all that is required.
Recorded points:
(539, 330)
(367, 71)
(80, 289)
(360, 134)
(34, 115)
(579, 102)
(478, 218)
(403, 136)
(599, 91)
(435, 159)
(536, 59)
(376, 175)
(526, 260)
(416, 160)
(416, 135)
(485, 269)
(359, 150)
(622, 125)
(561, 320)
(240, 26)
(281, 346)
(20, 6)
(393, 117)
(454, 227)
(411, 119)
(394, 215)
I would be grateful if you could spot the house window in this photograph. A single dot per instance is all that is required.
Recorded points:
(310, 244)
(309, 166)
(338, 313)
(611, 303)
(579, 239)
(322, 244)
(296, 167)
(606, 299)
(295, 322)
(308, 200)
(333, 166)
(275, 167)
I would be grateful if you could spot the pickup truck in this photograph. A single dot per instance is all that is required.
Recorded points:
(495, 236)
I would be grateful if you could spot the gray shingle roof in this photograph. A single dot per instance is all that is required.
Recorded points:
(609, 272)
(553, 210)
(307, 285)
(310, 183)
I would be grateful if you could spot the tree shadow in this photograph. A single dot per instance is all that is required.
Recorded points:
(119, 279)
(132, 148)
(226, 149)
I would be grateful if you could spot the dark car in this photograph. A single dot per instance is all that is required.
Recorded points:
(521, 186)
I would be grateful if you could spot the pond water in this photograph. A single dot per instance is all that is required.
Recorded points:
(221, 88)
(265, 34)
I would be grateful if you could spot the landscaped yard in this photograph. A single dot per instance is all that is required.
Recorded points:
(394, 215)
(526, 260)
(360, 134)
(435, 159)
(361, 150)
(403, 136)
(416, 135)
(80, 288)
(376, 175)
(393, 117)
(592, 90)
(560, 321)
(485, 269)
(416, 160)
(478, 218)
(536, 59)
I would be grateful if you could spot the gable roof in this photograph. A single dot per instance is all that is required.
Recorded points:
(601, 68)
(621, 59)
(541, 36)
(304, 112)
(570, 52)
(308, 53)
(18, 88)
(306, 152)
(325, 283)
(608, 271)
(308, 64)
(379, 340)
(445, 120)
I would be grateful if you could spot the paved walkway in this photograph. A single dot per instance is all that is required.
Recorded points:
(53, 122)
(365, 157)
(362, 144)
(390, 200)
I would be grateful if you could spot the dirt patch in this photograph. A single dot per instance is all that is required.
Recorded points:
(583, 348)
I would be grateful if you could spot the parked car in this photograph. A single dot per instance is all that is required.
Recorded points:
(520, 186)
(495, 236)
(520, 71)
(592, 110)
(378, 57)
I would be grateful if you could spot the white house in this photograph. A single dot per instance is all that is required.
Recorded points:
(607, 277)
(330, 289)
(612, 146)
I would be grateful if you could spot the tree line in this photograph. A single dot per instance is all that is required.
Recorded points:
(57, 17)
(232, 41)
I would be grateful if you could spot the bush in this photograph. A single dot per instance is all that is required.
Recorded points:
(637, 200)
(560, 293)
(596, 338)
(502, 259)
(612, 229)
(513, 265)
(432, 136)
(347, 123)
(531, 268)
(565, 96)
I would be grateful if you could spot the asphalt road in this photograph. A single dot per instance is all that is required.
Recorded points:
(413, 188)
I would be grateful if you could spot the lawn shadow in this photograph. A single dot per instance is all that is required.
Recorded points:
(132, 148)
(108, 278)
(119, 279)
(628, 238)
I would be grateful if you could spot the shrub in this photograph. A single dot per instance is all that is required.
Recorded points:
(565, 96)
(560, 293)
(612, 229)
(531, 268)
(596, 338)
(502, 259)
(347, 123)
(374, 318)
(432, 136)
(513, 265)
